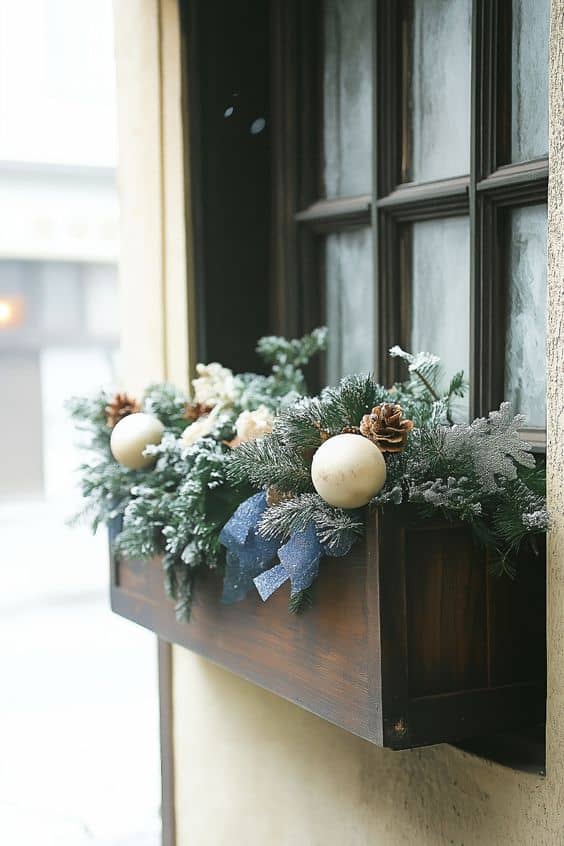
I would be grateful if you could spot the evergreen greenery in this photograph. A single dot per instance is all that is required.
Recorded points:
(301, 601)
(177, 507)
(481, 473)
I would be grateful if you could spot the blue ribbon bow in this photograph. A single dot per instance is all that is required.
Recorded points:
(249, 554)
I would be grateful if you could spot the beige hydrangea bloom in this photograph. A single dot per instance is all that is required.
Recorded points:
(251, 425)
(214, 385)
(200, 427)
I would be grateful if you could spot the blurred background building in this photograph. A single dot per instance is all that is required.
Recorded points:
(58, 229)
(79, 760)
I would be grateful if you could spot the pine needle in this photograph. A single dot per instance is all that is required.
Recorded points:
(301, 601)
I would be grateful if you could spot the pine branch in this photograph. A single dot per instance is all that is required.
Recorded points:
(355, 396)
(183, 607)
(179, 586)
(267, 461)
(458, 385)
(301, 601)
(299, 425)
(428, 386)
(294, 515)
(167, 403)
(281, 352)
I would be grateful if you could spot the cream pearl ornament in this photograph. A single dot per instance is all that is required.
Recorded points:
(130, 437)
(348, 470)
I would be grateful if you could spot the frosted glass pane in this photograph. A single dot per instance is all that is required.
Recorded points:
(347, 98)
(525, 364)
(440, 308)
(350, 303)
(529, 106)
(440, 90)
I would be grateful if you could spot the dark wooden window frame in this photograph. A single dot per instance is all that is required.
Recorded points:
(484, 195)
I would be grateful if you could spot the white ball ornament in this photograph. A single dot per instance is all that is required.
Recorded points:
(130, 437)
(348, 470)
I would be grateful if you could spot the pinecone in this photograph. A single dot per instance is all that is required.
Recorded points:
(274, 496)
(120, 406)
(351, 430)
(386, 428)
(195, 410)
(323, 434)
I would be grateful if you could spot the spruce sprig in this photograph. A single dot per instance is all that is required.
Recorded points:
(301, 601)
(268, 461)
(355, 396)
(333, 525)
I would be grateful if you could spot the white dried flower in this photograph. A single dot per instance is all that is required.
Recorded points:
(214, 385)
(201, 427)
(251, 425)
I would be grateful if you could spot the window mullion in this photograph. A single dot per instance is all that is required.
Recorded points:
(486, 309)
(390, 253)
(478, 91)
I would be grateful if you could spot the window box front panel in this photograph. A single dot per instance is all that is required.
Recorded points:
(410, 640)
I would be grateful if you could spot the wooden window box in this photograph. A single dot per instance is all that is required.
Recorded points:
(410, 640)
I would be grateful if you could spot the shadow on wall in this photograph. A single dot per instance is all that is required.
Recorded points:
(307, 782)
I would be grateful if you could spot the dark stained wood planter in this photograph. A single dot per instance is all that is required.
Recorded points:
(409, 642)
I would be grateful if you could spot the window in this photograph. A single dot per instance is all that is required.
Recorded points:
(397, 190)
(424, 222)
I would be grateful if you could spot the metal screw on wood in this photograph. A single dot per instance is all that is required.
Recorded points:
(400, 728)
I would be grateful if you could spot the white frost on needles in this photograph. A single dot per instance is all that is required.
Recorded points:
(416, 363)
(495, 445)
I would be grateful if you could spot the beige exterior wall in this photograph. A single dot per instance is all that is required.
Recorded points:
(252, 769)
(157, 307)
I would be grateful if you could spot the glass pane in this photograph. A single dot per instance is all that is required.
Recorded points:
(439, 99)
(347, 98)
(529, 109)
(440, 310)
(525, 363)
(350, 303)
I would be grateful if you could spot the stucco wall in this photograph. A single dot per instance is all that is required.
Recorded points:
(252, 769)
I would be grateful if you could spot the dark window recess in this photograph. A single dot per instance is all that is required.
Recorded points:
(227, 97)
(340, 174)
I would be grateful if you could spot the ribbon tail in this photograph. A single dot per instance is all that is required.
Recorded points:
(270, 581)
(305, 579)
(248, 554)
(300, 557)
(237, 580)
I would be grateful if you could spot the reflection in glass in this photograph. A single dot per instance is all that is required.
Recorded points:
(439, 100)
(529, 95)
(347, 98)
(350, 303)
(525, 363)
(440, 310)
